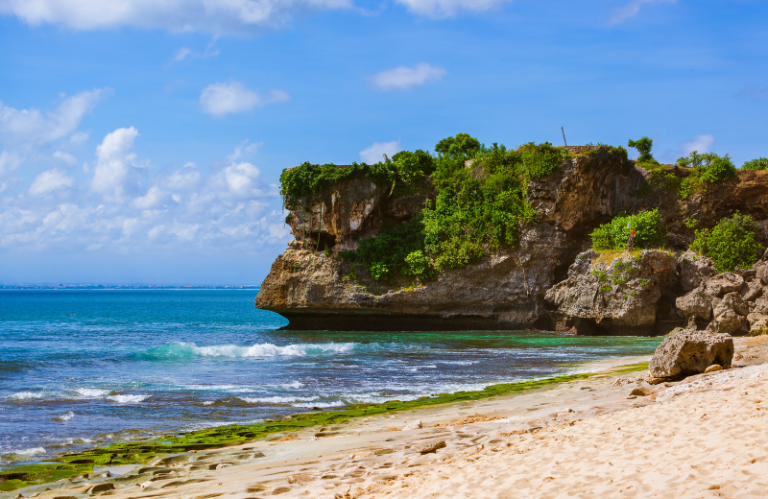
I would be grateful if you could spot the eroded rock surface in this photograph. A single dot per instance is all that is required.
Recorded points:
(691, 352)
(620, 297)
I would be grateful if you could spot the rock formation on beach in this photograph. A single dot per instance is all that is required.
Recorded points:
(544, 279)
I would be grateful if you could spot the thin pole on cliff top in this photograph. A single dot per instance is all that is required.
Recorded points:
(564, 142)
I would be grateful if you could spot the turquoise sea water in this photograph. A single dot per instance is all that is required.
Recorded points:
(78, 368)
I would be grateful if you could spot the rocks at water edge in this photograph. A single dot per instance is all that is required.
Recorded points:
(618, 297)
(690, 352)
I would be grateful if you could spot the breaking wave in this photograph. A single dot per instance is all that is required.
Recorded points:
(181, 351)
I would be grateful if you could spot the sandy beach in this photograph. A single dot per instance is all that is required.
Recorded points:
(702, 437)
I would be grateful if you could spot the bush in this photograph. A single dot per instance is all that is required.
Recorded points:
(756, 164)
(461, 145)
(644, 147)
(384, 255)
(615, 235)
(730, 243)
(719, 169)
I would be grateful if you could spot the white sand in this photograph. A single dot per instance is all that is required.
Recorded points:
(707, 437)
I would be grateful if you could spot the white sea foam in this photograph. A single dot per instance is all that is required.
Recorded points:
(26, 396)
(91, 393)
(260, 350)
(128, 399)
(322, 405)
(28, 452)
(64, 417)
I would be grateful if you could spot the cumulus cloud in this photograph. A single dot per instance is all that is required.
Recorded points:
(174, 15)
(220, 99)
(116, 172)
(50, 180)
(124, 206)
(30, 127)
(701, 143)
(32, 134)
(376, 152)
(448, 8)
(403, 78)
(632, 8)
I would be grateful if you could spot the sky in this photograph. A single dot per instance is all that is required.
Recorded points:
(141, 141)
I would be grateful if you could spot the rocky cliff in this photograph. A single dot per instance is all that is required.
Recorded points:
(310, 283)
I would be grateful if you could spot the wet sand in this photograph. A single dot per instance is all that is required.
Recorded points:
(702, 437)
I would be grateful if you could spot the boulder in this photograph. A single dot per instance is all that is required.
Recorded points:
(761, 271)
(691, 352)
(751, 290)
(724, 283)
(620, 297)
(730, 316)
(694, 269)
(758, 324)
(696, 304)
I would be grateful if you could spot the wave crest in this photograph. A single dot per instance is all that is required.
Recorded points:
(180, 351)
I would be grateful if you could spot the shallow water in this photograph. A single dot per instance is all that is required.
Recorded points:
(83, 367)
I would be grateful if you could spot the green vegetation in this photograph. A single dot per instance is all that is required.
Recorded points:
(730, 243)
(78, 463)
(691, 223)
(615, 235)
(756, 164)
(480, 205)
(644, 147)
(605, 289)
(700, 169)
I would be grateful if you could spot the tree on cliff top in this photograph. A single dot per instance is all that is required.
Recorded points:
(644, 147)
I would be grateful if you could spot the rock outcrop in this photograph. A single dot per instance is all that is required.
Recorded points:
(690, 352)
(728, 303)
(504, 291)
(620, 297)
(314, 288)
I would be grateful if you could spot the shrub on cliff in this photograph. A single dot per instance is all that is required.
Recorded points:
(384, 256)
(756, 164)
(648, 226)
(644, 147)
(730, 243)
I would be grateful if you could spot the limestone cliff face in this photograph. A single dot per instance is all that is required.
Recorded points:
(620, 297)
(503, 291)
(506, 290)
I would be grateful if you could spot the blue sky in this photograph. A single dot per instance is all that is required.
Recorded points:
(142, 140)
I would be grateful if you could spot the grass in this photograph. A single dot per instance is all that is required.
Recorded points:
(78, 463)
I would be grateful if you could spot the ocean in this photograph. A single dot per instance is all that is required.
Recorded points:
(83, 368)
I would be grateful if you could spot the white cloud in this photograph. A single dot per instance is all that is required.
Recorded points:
(114, 174)
(175, 15)
(65, 158)
(701, 143)
(182, 54)
(376, 152)
(220, 99)
(78, 138)
(187, 53)
(403, 78)
(31, 134)
(632, 8)
(125, 207)
(30, 127)
(448, 8)
(50, 180)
